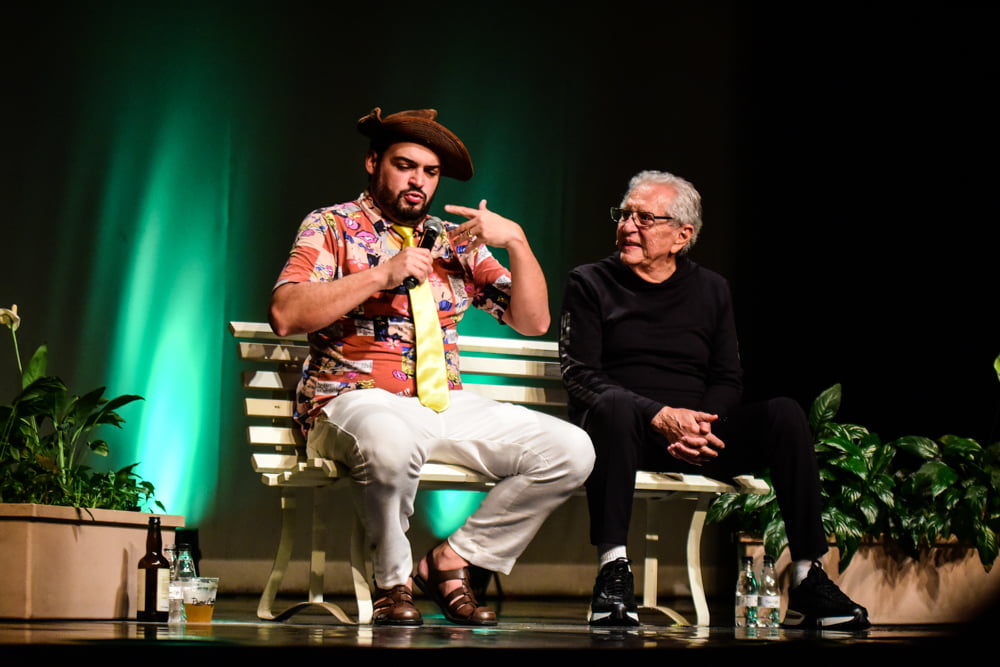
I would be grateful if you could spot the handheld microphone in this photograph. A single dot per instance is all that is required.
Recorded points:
(432, 229)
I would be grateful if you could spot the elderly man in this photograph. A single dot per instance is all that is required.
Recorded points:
(651, 362)
(368, 398)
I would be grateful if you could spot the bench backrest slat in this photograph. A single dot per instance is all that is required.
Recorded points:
(271, 380)
(276, 352)
(284, 436)
(509, 367)
(546, 396)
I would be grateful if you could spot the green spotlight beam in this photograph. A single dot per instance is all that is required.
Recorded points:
(165, 347)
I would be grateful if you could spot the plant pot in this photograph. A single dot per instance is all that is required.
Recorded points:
(948, 584)
(68, 563)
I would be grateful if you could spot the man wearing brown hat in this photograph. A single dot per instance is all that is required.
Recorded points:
(348, 284)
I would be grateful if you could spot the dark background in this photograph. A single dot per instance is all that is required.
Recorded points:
(845, 153)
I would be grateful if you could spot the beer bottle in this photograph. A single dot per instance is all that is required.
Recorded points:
(153, 580)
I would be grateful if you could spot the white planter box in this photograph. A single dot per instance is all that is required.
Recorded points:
(64, 563)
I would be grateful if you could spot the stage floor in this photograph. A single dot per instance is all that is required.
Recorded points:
(525, 627)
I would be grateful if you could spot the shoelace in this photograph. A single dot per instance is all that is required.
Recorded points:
(826, 588)
(616, 583)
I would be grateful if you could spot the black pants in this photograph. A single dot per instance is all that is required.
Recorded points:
(773, 433)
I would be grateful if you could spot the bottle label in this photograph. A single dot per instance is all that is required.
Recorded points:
(162, 590)
(770, 601)
(140, 590)
(747, 601)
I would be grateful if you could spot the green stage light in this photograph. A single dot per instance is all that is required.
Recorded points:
(165, 346)
(446, 511)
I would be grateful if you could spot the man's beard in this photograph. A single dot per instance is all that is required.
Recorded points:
(394, 205)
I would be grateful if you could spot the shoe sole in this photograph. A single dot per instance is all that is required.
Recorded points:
(398, 624)
(614, 619)
(796, 620)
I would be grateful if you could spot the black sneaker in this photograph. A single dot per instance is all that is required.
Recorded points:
(614, 603)
(817, 602)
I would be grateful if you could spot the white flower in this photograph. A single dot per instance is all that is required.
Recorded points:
(9, 317)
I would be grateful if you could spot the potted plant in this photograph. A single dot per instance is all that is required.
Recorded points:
(913, 491)
(88, 523)
(907, 498)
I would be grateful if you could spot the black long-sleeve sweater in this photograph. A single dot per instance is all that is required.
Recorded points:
(671, 343)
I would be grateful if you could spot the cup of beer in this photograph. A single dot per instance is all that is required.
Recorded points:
(199, 598)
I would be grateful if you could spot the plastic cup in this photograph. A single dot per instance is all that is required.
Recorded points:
(199, 598)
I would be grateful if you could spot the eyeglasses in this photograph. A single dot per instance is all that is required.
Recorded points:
(643, 219)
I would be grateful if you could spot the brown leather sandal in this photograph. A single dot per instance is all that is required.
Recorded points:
(459, 606)
(394, 606)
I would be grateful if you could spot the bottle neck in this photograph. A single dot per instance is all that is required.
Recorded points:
(154, 540)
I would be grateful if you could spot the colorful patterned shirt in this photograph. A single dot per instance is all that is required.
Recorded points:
(373, 345)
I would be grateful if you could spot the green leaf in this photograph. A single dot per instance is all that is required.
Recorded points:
(107, 414)
(860, 433)
(870, 510)
(919, 446)
(935, 476)
(883, 487)
(825, 407)
(853, 464)
(722, 507)
(40, 397)
(774, 537)
(986, 544)
(36, 366)
(963, 448)
(883, 458)
(755, 501)
(100, 447)
(839, 440)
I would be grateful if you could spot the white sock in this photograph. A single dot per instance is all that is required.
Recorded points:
(609, 552)
(800, 571)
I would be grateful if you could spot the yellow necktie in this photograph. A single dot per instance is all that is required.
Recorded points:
(432, 380)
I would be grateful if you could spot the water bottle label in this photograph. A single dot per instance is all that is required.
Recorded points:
(770, 601)
(748, 601)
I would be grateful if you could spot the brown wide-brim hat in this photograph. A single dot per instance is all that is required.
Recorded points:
(419, 126)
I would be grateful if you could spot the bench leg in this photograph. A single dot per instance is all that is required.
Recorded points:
(317, 555)
(651, 564)
(317, 562)
(265, 605)
(359, 573)
(694, 559)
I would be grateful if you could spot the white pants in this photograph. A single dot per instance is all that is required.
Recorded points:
(538, 461)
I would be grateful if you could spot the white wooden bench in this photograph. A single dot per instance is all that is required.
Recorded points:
(517, 371)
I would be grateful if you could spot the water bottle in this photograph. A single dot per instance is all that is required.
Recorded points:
(181, 568)
(746, 595)
(185, 563)
(173, 610)
(769, 597)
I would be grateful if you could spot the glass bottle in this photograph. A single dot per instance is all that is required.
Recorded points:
(746, 595)
(153, 580)
(185, 568)
(769, 597)
(176, 592)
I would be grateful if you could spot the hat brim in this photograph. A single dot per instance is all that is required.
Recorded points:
(420, 127)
